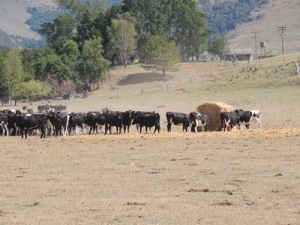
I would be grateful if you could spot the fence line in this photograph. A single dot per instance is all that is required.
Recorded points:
(161, 86)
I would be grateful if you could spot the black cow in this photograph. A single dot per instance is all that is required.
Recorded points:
(229, 119)
(27, 122)
(136, 114)
(60, 120)
(114, 119)
(127, 120)
(198, 120)
(147, 120)
(76, 120)
(177, 119)
(94, 119)
(248, 117)
(244, 118)
(4, 123)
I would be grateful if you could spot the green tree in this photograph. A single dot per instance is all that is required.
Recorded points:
(92, 65)
(13, 70)
(122, 38)
(79, 7)
(86, 30)
(32, 90)
(3, 79)
(62, 27)
(178, 20)
(218, 46)
(103, 21)
(191, 33)
(160, 54)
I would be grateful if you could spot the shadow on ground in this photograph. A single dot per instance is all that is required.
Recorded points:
(143, 78)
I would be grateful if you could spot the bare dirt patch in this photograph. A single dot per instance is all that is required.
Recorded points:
(167, 178)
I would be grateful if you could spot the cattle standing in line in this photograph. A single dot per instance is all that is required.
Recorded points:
(114, 119)
(136, 114)
(127, 120)
(177, 119)
(147, 120)
(76, 120)
(4, 124)
(244, 118)
(30, 122)
(229, 120)
(94, 119)
(248, 117)
(198, 120)
(59, 120)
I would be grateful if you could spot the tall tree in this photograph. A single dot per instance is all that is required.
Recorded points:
(159, 54)
(92, 65)
(13, 70)
(122, 38)
(62, 27)
(218, 46)
(178, 20)
(86, 30)
(3, 79)
(79, 7)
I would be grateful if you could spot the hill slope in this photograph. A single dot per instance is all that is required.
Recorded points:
(275, 14)
(13, 16)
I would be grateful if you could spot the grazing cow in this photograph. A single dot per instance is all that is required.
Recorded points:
(127, 120)
(30, 122)
(4, 124)
(113, 119)
(229, 119)
(147, 120)
(76, 120)
(177, 119)
(198, 120)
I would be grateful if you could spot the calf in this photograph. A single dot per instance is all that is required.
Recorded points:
(177, 119)
(229, 120)
(147, 120)
(198, 120)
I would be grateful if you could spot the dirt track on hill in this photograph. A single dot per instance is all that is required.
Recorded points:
(248, 177)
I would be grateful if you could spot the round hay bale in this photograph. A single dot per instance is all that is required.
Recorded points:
(213, 111)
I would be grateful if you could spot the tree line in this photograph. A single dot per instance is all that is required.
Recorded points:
(84, 43)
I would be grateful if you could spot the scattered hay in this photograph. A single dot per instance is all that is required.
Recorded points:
(213, 111)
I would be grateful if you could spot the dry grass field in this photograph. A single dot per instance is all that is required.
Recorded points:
(243, 177)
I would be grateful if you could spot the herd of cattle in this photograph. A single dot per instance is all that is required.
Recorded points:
(53, 122)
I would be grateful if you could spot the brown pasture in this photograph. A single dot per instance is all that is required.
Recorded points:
(243, 177)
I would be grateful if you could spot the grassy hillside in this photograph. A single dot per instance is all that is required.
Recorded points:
(275, 14)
